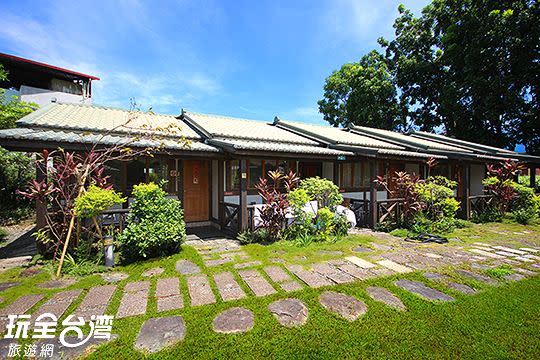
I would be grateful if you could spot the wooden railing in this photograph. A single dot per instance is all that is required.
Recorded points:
(115, 218)
(231, 215)
(479, 203)
(389, 209)
(360, 208)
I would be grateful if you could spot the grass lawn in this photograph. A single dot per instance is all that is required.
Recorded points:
(498, 322)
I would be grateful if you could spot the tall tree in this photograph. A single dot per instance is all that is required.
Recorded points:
(362, 93)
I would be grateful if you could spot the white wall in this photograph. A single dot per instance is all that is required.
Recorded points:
(235, 199)
(44, 96)
(381, 195)
(478, 173)
(328, 170)
(215, 200)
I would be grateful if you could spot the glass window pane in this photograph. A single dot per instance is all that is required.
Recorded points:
(158, 171)
(357, 175)
(255, 172)
(269, 165)
(365, 175)
(136, 173)
(347, 175)
(113, 169)
(232, 179)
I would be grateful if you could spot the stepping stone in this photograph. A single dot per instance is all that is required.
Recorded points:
(228, 287)
(247, 264)
(514, 277)
(487, 254)
(481, 266)
(159, 333)
(385, 296)
(330, 252)
(422, 290)
(360, 262)
(57, 284)
(19, 306)
(524, 259)
(533, 257)
(278, 275)
(7, 285)
(256, 282)
(134, 300)
(235, 320)
(186, 267)
(432, 255)
(168, 294)
(62, 352)
(362, 249)
(311, 278)
(290, 286)
(383, 272)
(153, 272)
(96, 301)
(482, 243)
(525, 271)
(346, 306)
(477, 277)
(334, 274)
(381, 247)
(355, 271)
(402, 269)
(31, 271)
(289, 312)
(504, 248)
(435, 276)
(217, 262)
(460, 287)
(483, 248)
(200, 291)
(277, 260)
(529, 250)
(505, 253)
(58, 304)
(114, 277)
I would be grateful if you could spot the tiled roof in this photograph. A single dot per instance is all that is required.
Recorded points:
(336, 135)
(452, 141)
(66, 137)
(228, 127)
(101, 119)
(409, 154)
(271, 146)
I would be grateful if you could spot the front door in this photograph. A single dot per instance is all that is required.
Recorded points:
(196, 190)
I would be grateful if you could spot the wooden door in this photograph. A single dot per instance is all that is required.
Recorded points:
(196, 191)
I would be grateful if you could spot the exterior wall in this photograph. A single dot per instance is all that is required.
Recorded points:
(214, 212)
(412, 168)
(328, 170)
(478, 173)
(44, 96)
(235, 199)
(381, 195)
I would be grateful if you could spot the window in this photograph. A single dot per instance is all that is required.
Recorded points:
(158, 171)
(136, 173)
(441, 170)
(232, 179)
(113, 169)
(353, 175)
(255, 172)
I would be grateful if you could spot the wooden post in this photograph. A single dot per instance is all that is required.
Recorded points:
(466, 191)
(41, 205)
(221, 195)
(373, 167)
(532, 178)
(242, 212)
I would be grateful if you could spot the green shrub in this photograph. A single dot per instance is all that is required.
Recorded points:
(304, 240)
(16, 170)
(3, 234)
(155, 224)
(253, 236)
(325, 224)
(526, 181)
(500, 271)
(341, 225)
(323, 190)
(524, 216)
(96, 200)
(487, 215)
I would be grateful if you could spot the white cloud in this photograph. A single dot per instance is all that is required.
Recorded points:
(304, 114)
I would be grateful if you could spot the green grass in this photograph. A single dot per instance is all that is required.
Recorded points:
(498, 322)
(500, 271)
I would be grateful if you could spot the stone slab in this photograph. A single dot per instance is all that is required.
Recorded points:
(134, 300)
(355, 271)
(277, 274)
(228, 287)
(159, 333)
(168, 294)
(360, 262)
(153, 272)
(525, 271)
(486, 254)
(114, 277)
(435, 276)
(186, 267)
(333, 273)
(235, 320)
(256, 282)
(311, 278)
(529, 250)
(348, 307)
(247, 264)
(58, 304)
(200, 292)
(385, 296)
(289, 312)
(7, 285)
(18, 307)
(96, 301)
(402, 269)
(462, 288)
(290, 286)
(362, 249)
(217, 262)
(523, 259)
(477, 277)
(423, 290)
(514, 277)
(505, 253)
(508, 249)
(62, 352)
(57, 284)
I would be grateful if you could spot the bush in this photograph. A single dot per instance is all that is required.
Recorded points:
(253, 236)
(323, 190)
(96, 200)
(524, 216)
(526, 181)
(487, 215)
(16, 170)
(325, 224)
(155, 224)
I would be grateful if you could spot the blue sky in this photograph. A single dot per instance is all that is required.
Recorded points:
(252, 59)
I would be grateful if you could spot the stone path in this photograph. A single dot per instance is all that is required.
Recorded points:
(311, 278)
(58, 304)
(168, 294)
(289, 312)
(348, 307)
(235, 320)
(159, 333)
(256, 282)
(385, 296)
(279, 276)
(228, 287)
(199, 289)
(423, 290)
(96, 301)
(134, 300)
(186, 267)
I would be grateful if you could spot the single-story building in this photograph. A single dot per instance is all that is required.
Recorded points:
(213, 162)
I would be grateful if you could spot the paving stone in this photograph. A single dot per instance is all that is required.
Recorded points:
(350, 308)
(480, 266)
(334, 274)
(523, 259)
(7, 285)
(290, 286)
(529, 250)
(289, 312)
(533, 257)
(159, 333)
(505, 248)
(383, 272)
(228, 287)
(484, 248)
(505, 253)
(31, 271)
(114, 277)
(477, 277)
(57, 284)
(134, 300)
(58, 304)
(525, 271)
(256, 282)
(277, 260)
(385, 296)
(277, 274)
(200, 291)
(402, 269)
(246, 264)
(235, 320)
(186, 267)
(362, 249)
(481, 243)
(358, 273)
(311, 278)
(432, 255)
(168, 294)
(330, 252)
(487, 254)
(435, 276)
(381, 247)
(18, 307)
(460, 287)
(153, 272)
(423, 290)
(514, 277)
(217, 262)
(360, 262)
(62, 352)
(96, 301)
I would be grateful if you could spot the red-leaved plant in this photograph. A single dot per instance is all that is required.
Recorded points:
(500, 182)
(404, 188)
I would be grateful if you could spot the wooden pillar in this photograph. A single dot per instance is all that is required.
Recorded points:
(242, 212)
(532, 178)
(336, 173)
(41, 205)
(221, 195)
(466, 191)
(373, 167)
